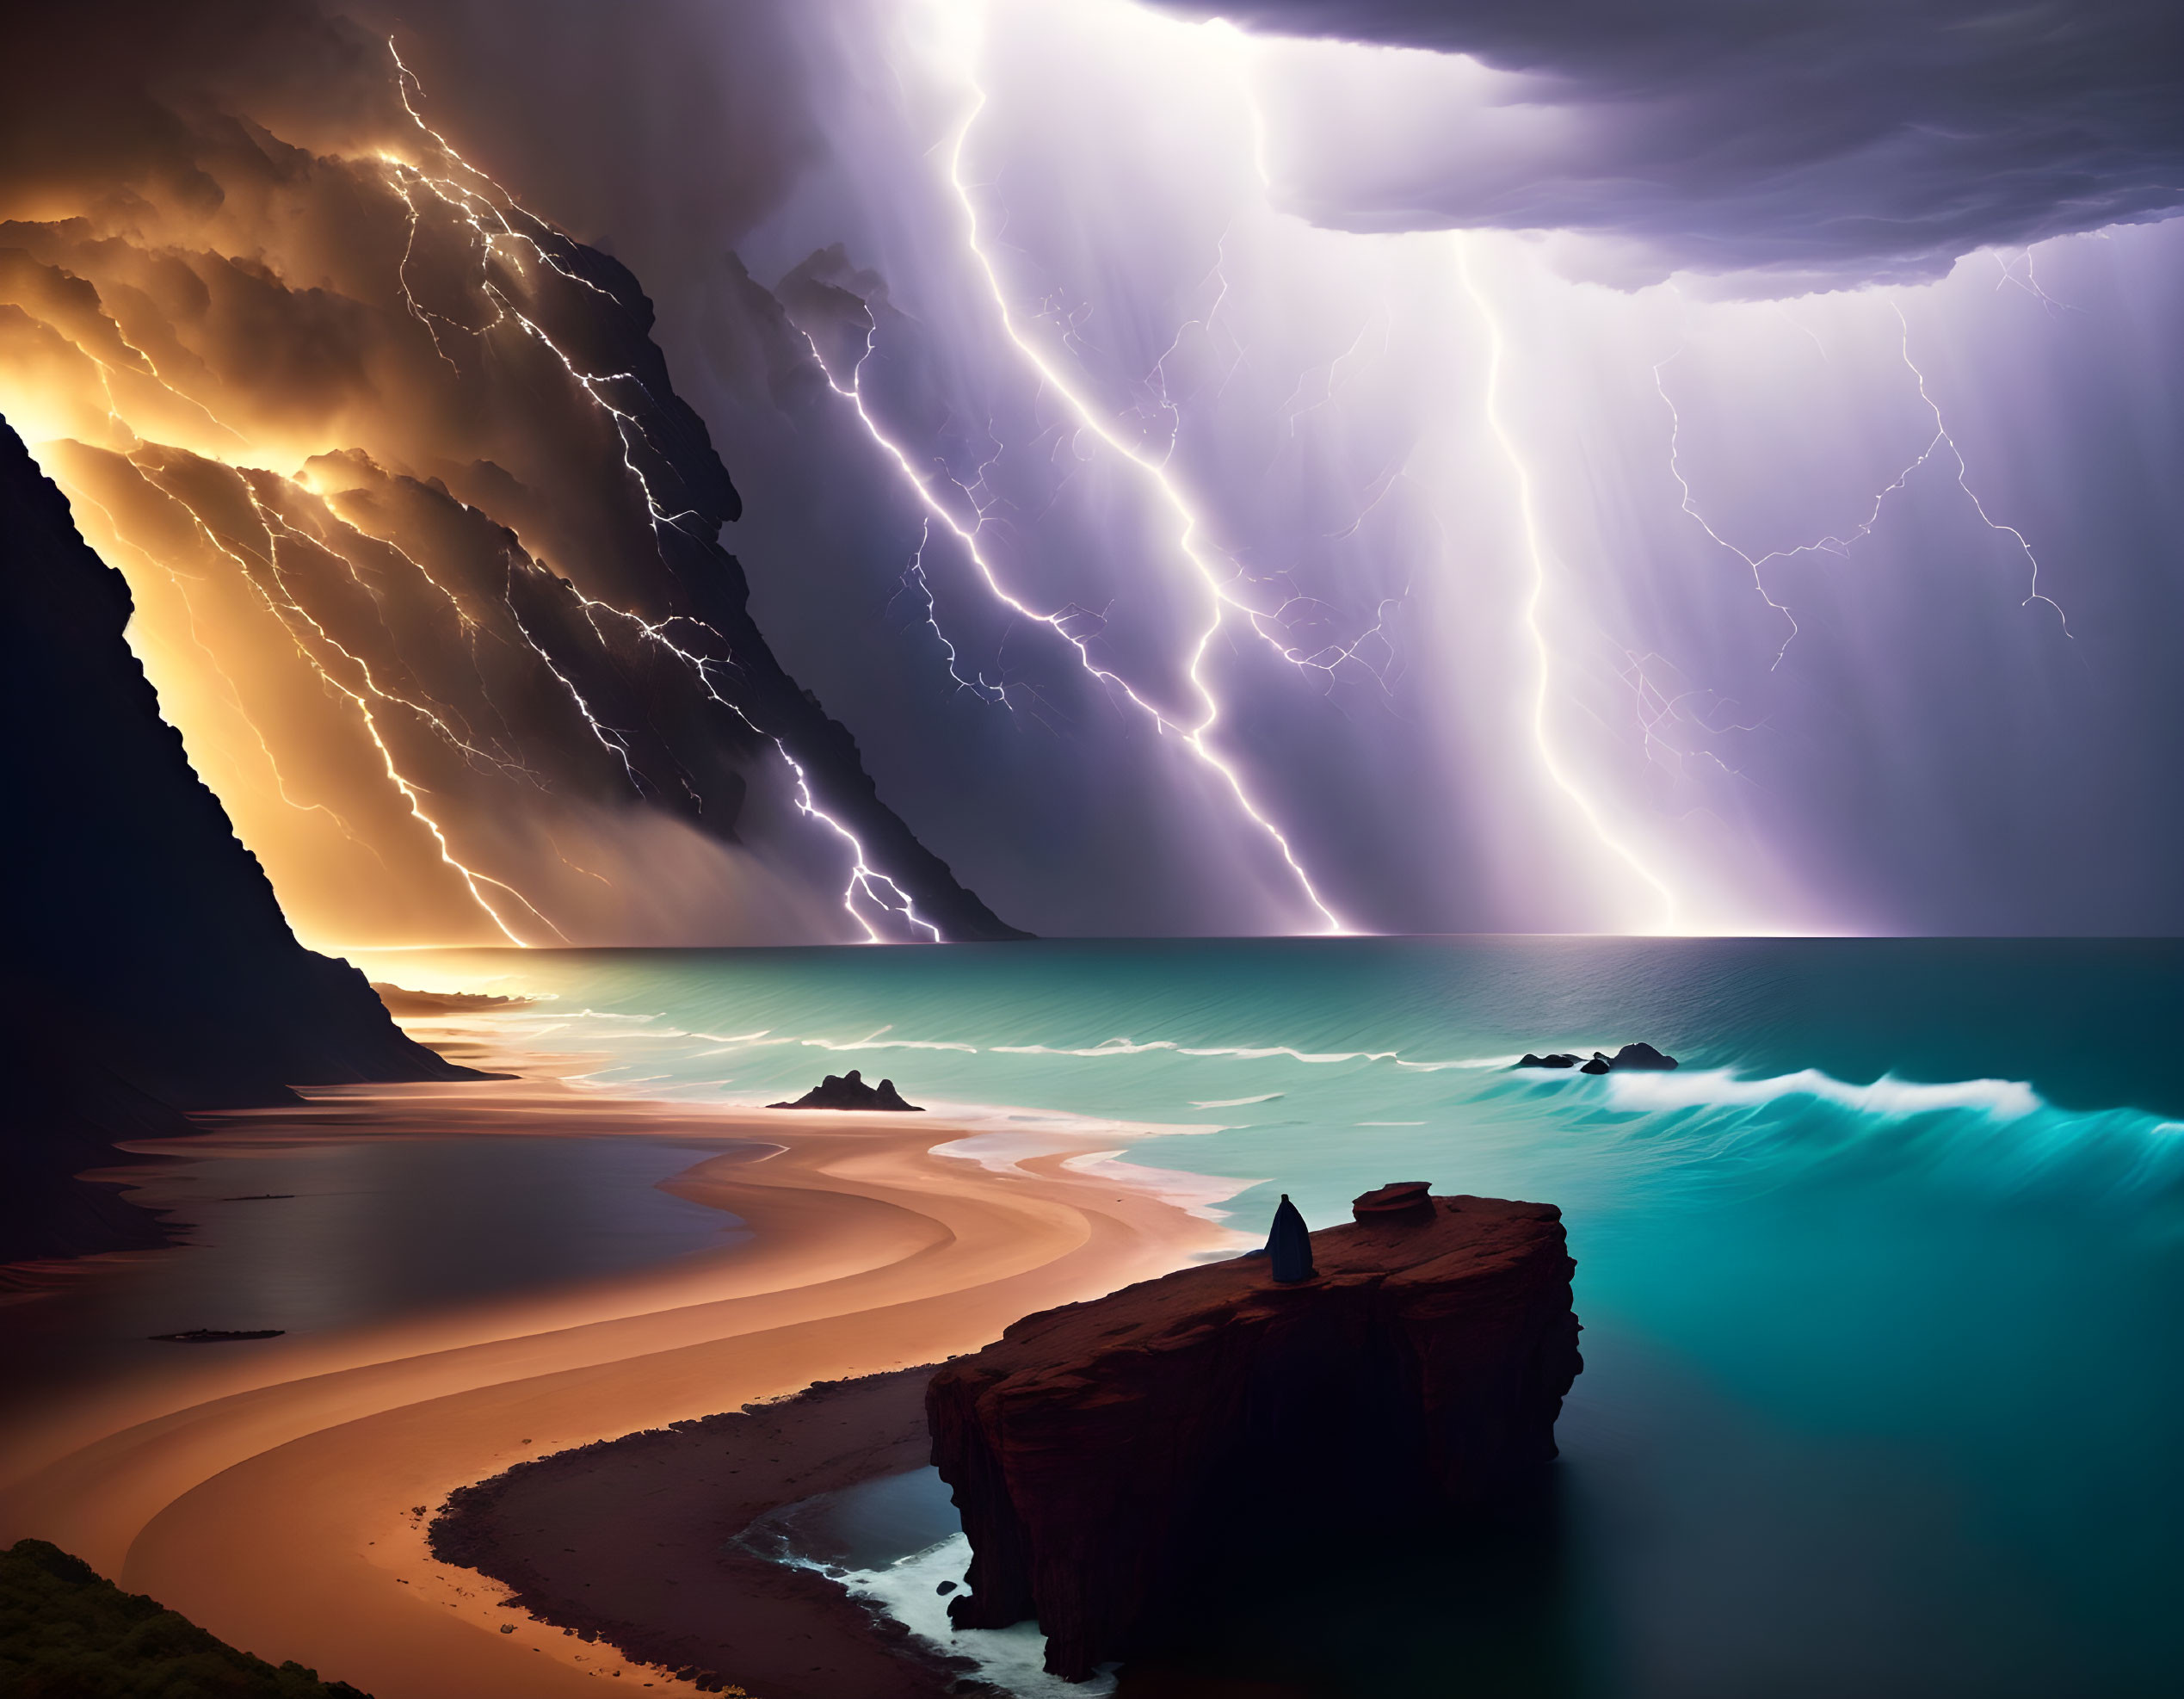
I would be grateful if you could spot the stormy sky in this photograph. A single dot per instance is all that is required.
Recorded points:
(1406, 468)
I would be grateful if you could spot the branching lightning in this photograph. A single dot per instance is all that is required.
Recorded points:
(80, 498)
(1941, 437)
(1839, 546)
(914, 578)
(409, 792)
(865, 880)
(1536, 556)
(1195, 733)
(2018, 273)
(489, 222)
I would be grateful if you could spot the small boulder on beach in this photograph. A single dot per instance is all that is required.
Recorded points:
(850, 1091)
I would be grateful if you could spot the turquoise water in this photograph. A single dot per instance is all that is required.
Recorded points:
(1884, 1289)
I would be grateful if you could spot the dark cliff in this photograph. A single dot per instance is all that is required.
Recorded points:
(1105, 1455)
(705, 596)
(145, 967)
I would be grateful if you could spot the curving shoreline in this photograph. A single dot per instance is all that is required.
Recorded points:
(634, 1542)
(272, 1500)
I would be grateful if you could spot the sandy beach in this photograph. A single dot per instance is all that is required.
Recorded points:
(279, 1499)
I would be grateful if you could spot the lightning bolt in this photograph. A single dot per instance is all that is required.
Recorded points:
(1536, 556)
(80, 498)
(914, 576)
(1194, 732)
(288, 608)
(1839, 546)
(1942, 438)
(865, 880)
(1276, 626)
(410, 793)
(2013, 276)
(490, 223)
(611, 738)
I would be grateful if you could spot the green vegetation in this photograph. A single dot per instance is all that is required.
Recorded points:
(68, 1632)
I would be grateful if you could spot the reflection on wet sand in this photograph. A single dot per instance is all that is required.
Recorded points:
(275, 1498)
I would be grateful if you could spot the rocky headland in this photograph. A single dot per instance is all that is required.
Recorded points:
(145, 967)
(400, 1000)
(1105, 1455)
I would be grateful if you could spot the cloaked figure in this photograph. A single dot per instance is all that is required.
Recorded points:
(1289, 1244)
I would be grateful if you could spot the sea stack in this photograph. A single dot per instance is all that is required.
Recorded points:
(1107, 1457)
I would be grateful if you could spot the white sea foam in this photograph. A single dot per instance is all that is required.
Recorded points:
(890, 1044)
(1113, 1047)
(1239, 1103)
(1117, 1046)
(1887, 1096)
(1012, 1659)
(1195, 1194)
(1247, 1052)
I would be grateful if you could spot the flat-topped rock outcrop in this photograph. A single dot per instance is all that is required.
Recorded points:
(1102, 1454)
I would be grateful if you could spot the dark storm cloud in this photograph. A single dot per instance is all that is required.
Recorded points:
(623, 122)
(1836, 140)
(401, 471)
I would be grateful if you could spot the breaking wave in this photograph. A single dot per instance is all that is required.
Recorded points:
(1887, 1097)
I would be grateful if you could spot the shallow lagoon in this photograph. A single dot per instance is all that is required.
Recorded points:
(326, 1233)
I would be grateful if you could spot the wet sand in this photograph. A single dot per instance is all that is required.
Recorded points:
(632, 1542)
(279, 1499)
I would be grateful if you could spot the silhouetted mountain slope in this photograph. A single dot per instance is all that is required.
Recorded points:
(145, 966)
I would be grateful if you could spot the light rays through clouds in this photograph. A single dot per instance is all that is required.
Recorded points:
(413, 513)
(1580, 725)
(1218, 476)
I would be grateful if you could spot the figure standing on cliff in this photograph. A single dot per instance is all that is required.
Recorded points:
(1289, 1244)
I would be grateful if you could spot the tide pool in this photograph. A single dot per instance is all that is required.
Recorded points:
(1883, 1289)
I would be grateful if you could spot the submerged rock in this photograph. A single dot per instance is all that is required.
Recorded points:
(850, 1091)
(1107, 1457)
(1529, 1060)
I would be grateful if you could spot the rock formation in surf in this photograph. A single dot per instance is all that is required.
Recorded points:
(145, 967)
(1633, 1057)
(1641, 1056)
(850, 1091)
(1103, 1455)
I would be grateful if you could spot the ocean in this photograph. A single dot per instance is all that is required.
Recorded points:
(1883, 1289)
